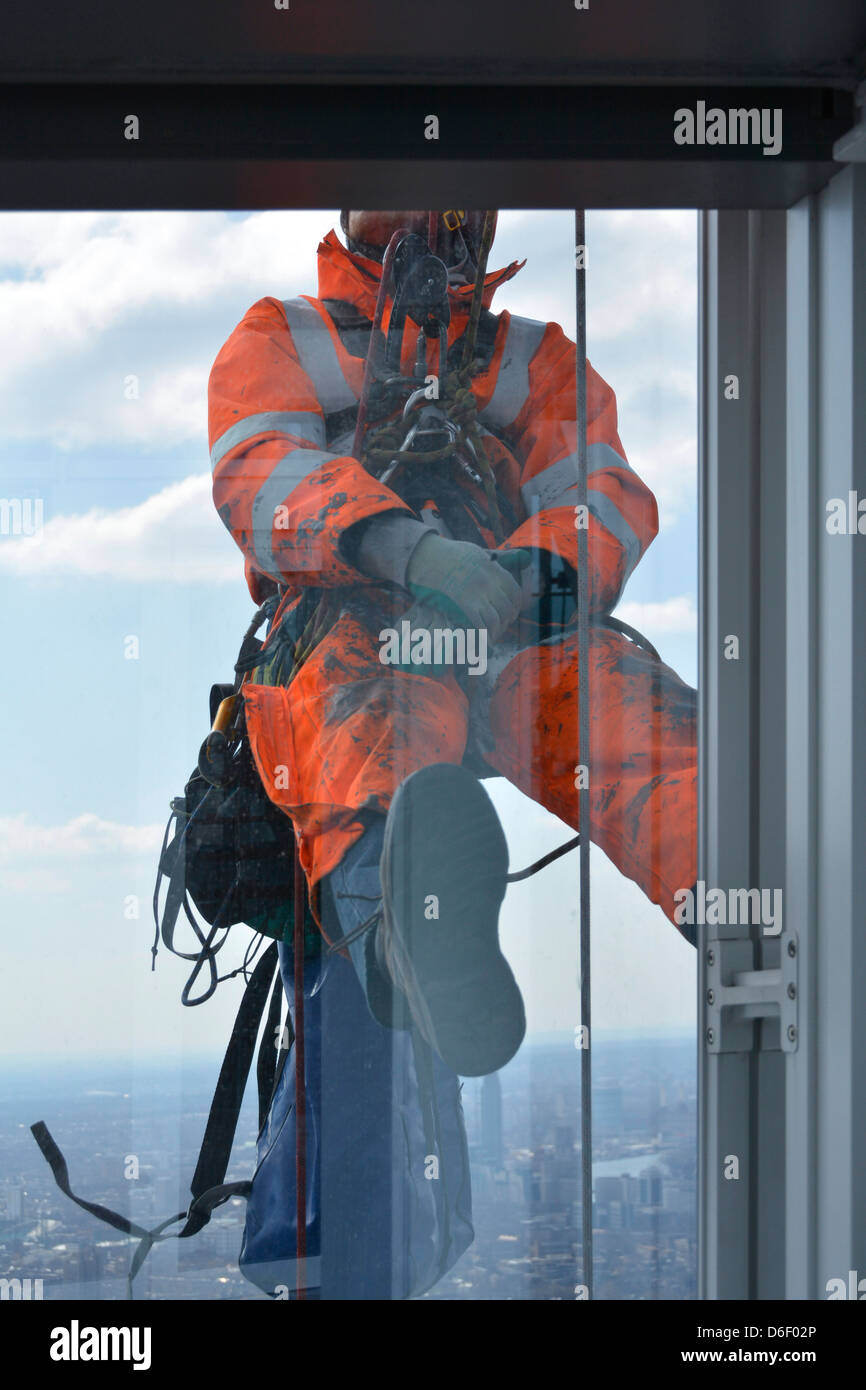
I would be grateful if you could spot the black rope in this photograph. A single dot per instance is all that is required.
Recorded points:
(628, 631)
(355, 933)
(583, 753)
(542, 863)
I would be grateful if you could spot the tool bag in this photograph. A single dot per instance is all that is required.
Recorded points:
(228, 852)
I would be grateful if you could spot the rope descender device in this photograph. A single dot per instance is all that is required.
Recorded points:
(446, 429)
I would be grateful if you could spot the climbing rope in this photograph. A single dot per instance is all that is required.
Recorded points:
(383, 447)
(583, 757)
(384, 444)
(299, 912)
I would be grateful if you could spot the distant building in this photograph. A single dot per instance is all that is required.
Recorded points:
(563, 1140)
(166, 1198)
(652, 1187)
(226, 1236)
(608, 1190)
(491, 1120)
(607, 1108)
(11, 1201)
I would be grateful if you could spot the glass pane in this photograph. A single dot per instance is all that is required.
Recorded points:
(643, 983)
(127, 333)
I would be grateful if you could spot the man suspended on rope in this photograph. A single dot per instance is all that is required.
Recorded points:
(448, 509)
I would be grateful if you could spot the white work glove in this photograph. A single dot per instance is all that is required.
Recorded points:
(466, 583)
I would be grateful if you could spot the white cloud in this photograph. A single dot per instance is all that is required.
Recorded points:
(87, 299)
(641, 272)
(670, 616)
(631, 302)
(668, 466)
(85, 272)
(22, 839)
(170, 409)
(642, 313)
(174, 535)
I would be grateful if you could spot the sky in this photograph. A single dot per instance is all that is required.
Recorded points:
(109, 324)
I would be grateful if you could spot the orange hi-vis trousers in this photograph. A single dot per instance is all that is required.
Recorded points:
(347, 731)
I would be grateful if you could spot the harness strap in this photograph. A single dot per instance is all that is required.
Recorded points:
(57, 1163)
(225, 1107)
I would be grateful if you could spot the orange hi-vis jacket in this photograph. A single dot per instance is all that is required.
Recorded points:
(283, 398)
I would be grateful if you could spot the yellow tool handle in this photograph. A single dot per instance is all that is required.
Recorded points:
(224, 713)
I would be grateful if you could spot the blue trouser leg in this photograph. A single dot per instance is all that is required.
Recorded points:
(357, 1084)
(349, 897)
(377, 1227)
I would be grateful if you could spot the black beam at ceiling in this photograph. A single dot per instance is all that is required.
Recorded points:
(105, 184)
(362, 122)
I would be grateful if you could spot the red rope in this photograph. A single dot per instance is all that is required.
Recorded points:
(300, 1094)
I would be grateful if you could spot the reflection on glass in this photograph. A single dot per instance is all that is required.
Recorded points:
(372, 451)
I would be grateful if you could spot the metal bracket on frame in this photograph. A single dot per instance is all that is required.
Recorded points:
(736, 994)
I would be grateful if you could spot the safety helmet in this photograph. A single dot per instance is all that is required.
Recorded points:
(457, 235)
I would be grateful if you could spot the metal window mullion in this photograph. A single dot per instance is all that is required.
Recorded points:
(769, 695)
(840, 845)
(802, 517)
(727, 602)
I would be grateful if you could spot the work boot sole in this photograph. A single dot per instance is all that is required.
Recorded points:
(444, 866)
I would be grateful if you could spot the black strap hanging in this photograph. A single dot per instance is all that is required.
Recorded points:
(225, 1107)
